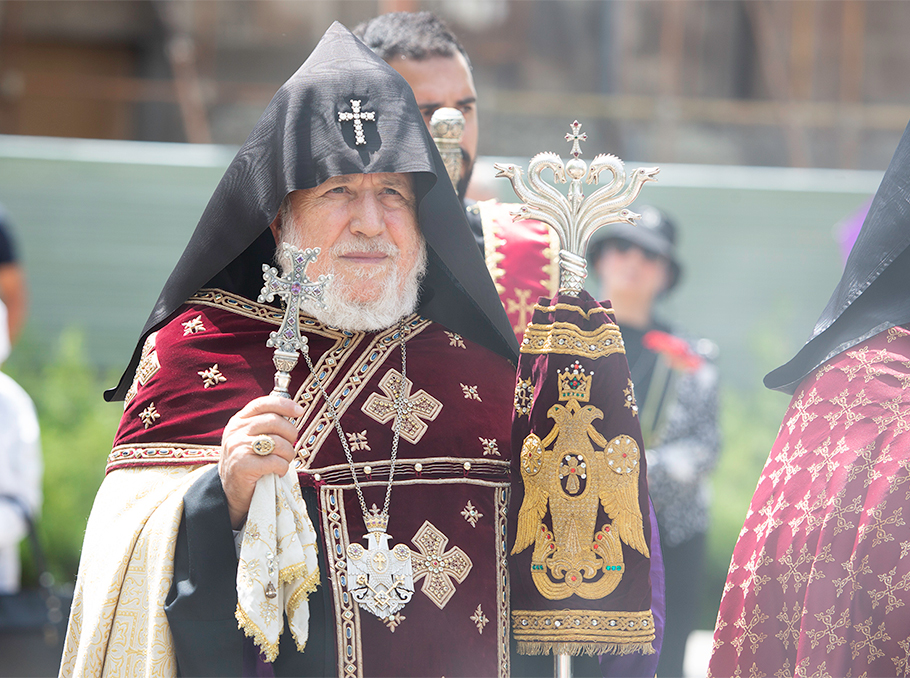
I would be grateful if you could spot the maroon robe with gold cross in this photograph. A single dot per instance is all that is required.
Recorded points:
(450, 495)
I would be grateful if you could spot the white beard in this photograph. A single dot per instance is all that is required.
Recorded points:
(398, 296)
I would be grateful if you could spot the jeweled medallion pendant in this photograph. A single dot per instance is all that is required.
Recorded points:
(380, 579)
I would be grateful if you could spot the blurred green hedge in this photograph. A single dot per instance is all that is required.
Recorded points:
(77, 429)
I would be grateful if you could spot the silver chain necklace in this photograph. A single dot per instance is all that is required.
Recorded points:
(380, 579)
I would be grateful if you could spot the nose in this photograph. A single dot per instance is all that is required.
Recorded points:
(368, 217)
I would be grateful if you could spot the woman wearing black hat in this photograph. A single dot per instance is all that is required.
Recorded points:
(675, 389)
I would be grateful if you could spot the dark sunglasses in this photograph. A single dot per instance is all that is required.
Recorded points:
(625, 246)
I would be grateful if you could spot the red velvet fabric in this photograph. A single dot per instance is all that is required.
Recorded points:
(819, 583)
(609, 373)
(522, 261)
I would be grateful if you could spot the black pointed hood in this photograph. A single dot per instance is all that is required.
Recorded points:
(874, 292)
(299, 142)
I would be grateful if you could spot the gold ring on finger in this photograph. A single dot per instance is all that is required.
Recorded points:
(263, 445)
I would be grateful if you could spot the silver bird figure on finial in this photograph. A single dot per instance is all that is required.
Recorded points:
(575, 217)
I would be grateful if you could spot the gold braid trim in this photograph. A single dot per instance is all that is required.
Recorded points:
(270, 650)
(220, 299)
(123, 456)
(577, 632)
(567, 339)
(310, 583)
(291, 572)
(571, 307)
(217, 298)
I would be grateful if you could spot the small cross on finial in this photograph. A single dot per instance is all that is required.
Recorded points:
(576, 136)
(358, 117)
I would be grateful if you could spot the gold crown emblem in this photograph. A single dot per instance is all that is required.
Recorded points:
(574, 384)
(376, 520)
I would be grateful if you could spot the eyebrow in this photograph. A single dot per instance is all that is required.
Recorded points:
(438, 104)
(399, 182)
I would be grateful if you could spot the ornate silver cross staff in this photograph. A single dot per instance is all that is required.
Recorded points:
(575, 217)
(292, 288)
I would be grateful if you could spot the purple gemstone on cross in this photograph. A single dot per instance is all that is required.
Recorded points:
(295, 288)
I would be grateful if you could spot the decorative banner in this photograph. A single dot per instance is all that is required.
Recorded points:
(580, 560)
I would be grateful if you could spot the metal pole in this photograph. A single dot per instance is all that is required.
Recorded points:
(562, 666)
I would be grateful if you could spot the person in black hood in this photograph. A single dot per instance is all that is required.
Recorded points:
(402, 402)
(822, 553)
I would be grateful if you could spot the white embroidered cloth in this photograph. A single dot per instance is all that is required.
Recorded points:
(277, 567)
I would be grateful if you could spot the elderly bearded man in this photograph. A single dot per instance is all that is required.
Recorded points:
(402, 403)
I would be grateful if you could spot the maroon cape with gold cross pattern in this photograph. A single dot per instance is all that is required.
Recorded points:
(451, 486)
(819, 583)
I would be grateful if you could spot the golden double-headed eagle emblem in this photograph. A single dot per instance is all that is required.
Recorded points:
(567, 474)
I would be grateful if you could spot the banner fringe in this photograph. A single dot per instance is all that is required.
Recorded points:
(576, 649)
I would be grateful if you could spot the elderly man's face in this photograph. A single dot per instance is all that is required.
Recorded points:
(366, 226)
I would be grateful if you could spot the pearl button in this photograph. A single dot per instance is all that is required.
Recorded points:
(317, 477)
(418, 467)
(467, 466)
(368, 469)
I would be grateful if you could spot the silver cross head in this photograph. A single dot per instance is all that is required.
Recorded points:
(292, 288)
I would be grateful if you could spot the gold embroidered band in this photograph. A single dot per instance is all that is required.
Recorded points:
(124, 456)
(567, 339)
(571, 307)
(588, 632)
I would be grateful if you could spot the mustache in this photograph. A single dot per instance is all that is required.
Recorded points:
(365, 245)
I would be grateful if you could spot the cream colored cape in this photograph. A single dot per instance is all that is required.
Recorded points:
(117, 623)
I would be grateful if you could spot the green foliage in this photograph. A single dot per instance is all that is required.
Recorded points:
(749, 421)
(77, 428)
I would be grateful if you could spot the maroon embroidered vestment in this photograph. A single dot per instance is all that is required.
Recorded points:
(450, 494)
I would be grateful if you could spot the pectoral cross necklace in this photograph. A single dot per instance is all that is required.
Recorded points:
(381, 579)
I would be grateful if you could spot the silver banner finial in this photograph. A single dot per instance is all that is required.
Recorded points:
(575, 217)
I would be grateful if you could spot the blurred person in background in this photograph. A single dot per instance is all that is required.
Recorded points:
(819, 582)
(675, 388)
(20, 467)
(427, 54)
(12, 279)
(521, 256)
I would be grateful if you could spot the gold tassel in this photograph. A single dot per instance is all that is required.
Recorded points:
(576, 649)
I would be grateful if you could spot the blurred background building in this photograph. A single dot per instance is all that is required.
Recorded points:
(772, 121)
(818, 83)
